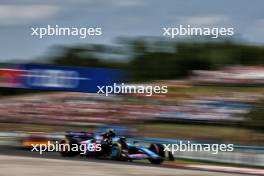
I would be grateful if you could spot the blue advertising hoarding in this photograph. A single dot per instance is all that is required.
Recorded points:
(61, 78)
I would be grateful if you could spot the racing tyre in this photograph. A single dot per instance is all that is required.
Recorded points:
(116, 151)
(159, 150)
(66, 146)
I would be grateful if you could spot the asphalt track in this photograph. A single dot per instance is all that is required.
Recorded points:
(17, 162)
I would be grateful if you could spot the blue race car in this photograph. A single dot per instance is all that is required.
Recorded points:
(108, 145)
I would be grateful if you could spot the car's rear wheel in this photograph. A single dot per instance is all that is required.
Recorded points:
(116, 151)
(66, 148)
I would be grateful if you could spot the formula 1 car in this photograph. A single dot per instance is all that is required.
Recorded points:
(111, 147)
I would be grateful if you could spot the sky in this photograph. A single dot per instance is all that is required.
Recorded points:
(130, 18)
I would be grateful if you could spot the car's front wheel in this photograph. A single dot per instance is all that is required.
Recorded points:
(159, 150)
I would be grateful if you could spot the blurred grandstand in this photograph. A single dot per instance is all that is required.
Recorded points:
(85, 108)
(231, 75)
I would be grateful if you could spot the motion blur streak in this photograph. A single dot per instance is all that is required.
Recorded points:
(24, 166)
(208, 56)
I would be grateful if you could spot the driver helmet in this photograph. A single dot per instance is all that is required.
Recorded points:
(111, 133)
